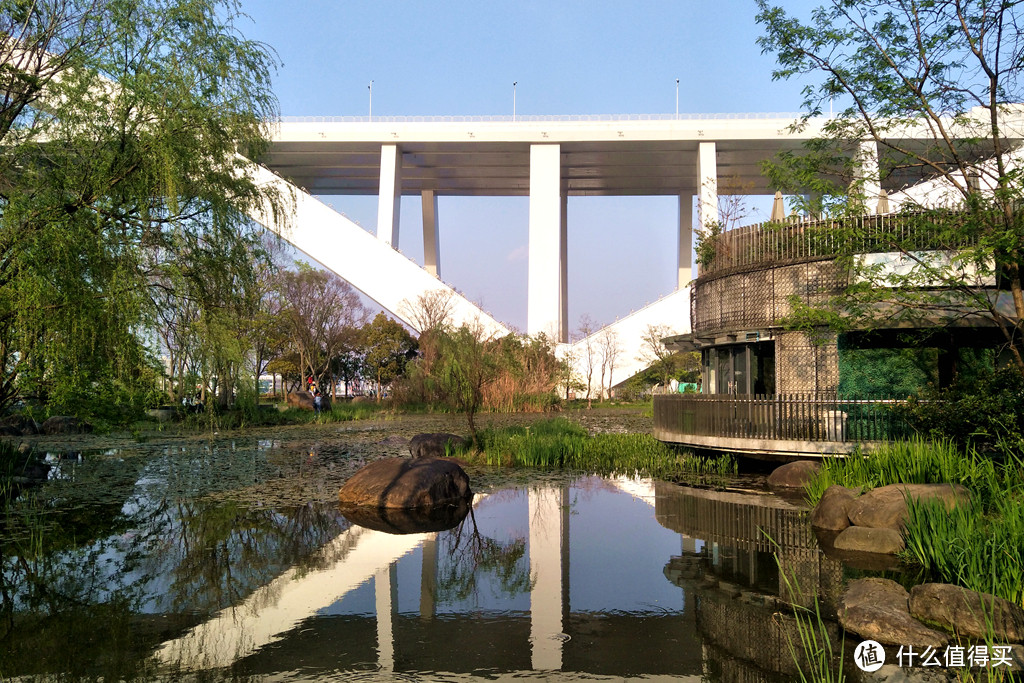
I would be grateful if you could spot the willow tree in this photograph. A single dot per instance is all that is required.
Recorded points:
(937, 87)
(121, 124)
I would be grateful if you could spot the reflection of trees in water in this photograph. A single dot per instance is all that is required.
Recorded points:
(213, 555)
(468, 557)
(96, 570)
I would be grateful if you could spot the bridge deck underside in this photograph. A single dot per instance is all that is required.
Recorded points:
(662, 166)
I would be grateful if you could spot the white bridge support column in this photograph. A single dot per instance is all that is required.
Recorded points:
(543, 305)
(685, 240)
(707, 178)
(431, 238)
(389, 199)
(563, 271)
(549, 566)
(867, 173)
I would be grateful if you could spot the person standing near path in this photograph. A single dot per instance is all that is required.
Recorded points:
(317, 403)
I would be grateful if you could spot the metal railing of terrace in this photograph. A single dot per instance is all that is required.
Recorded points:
(802, 239)
(785, 417)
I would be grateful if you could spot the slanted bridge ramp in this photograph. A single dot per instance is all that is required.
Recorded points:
(349, 251)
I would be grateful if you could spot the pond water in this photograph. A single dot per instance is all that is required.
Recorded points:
(165, 565)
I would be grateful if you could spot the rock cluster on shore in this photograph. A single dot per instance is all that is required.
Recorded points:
(928, 615)
(872, 522)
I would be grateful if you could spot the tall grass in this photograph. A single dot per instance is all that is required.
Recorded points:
(559, 443)
(966, 546)
(816, 659)
(915, 461)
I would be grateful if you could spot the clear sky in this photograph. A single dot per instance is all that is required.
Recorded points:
(568, 57)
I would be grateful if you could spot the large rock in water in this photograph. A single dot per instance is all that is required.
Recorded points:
(405, 483)
(886, 506)
(833, 510)
(878, 609)
(862, 539)
(793, 475)
(433, 445)
(967, 612)
(19, 425)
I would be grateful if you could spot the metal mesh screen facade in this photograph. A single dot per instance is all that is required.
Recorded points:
(759, 298)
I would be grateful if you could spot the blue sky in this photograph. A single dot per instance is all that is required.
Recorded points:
(568, 57)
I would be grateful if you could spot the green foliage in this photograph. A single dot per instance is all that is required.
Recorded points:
(915, 461)
(890, 373)
(322, 316)
(945, 68)
(387, 348)
(966, 546)
(464, 370)
(121, 181)
(705, 247)
(559, 443)
(978, 544)
(983, 411)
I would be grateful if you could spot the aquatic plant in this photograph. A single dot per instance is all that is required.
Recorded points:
(965, 546)
(979, 544)
(914, 461)
(560, 443)
(812, 651)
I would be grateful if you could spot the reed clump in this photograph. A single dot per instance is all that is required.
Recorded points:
(560, 443)
(979, 549)
(979, 544)
(914, 461)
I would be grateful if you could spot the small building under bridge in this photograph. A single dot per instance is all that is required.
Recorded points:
(771, 390)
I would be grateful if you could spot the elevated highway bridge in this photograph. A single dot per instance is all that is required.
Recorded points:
(547, 159)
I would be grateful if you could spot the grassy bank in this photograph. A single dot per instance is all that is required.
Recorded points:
(560, 443)
(979, 545)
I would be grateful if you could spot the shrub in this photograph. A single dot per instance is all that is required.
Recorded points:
(985, 412)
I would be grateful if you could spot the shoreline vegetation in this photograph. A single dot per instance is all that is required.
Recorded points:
(978, 545)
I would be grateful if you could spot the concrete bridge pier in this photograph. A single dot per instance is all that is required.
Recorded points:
(431, 237)
(685, 240)
(546, 309)
(389, 200)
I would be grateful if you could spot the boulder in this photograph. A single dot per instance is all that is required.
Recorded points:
(832, 511)
(19, 425)
(63, 424)
(868, 562)
(406, 483)
(303, 400)
(793, 475)
(886, 506)
(878, 609)
(433, 445)
(967, 613)
(864, 539)
(881, 592)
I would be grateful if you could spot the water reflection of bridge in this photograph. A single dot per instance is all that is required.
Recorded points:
(273, 630)
(270, 629)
